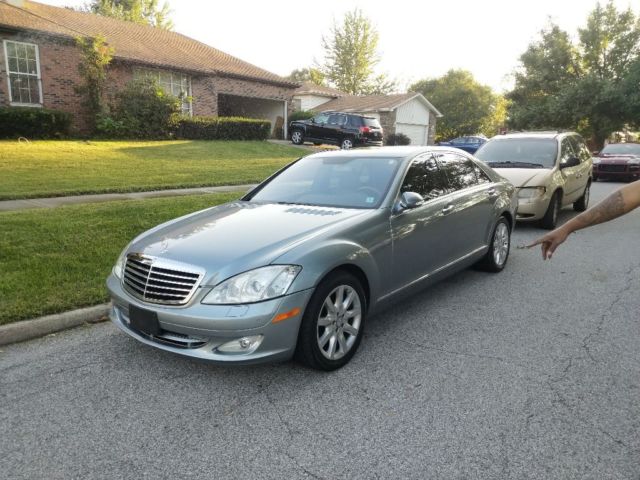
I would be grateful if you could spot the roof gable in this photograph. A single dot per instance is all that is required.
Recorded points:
(133, 42)
(374, 103)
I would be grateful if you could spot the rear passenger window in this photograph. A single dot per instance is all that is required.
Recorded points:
(460, 171)
(424, 177)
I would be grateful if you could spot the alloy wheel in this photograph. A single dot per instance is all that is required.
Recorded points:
(347, 144)
(501, 244)
(296, 137)
(338, 324)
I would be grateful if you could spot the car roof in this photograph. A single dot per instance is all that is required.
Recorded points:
(387, 152)
(541, 134)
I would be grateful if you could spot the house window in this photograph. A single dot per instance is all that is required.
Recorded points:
(173, 83)
(23, 73)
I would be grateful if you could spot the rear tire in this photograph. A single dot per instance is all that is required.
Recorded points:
(333, 323)
(496, 257)
(347, 143)
(550, 219)
(582, 203)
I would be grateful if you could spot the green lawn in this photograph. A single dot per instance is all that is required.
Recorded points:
(55, 168)
(53, 260)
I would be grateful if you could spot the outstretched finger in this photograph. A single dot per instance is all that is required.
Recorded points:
(535, 242)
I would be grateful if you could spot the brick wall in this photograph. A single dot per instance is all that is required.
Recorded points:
(59, 60)
(388, 122)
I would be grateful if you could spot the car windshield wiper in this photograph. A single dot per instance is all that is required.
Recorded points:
(509, 164)
(296, 203)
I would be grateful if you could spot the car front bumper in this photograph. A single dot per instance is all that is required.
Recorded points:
(532, 210)
(198, 330)
(616, 171)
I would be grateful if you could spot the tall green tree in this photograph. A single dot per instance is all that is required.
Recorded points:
(95, 57)
(351, 55)
(548, 66)
(147, 12)
(468, 106)
(583, 86)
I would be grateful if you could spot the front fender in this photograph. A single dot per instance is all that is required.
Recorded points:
(324, 257)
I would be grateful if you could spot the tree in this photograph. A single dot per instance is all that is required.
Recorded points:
(312, 75)
(95, 56)
(548, 66)
(351, 54)
(585, 86)
(138, 11)
(468, 106)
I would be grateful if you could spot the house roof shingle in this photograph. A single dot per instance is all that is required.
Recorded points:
(131, 41)
(313, 89)
(373, 103)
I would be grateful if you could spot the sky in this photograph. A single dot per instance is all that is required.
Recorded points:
(418, 39)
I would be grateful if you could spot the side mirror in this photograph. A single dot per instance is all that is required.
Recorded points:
(571, 162)
(409, 200)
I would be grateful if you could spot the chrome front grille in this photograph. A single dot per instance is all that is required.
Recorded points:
(162, 281)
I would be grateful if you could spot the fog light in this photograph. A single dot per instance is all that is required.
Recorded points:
(242, 345)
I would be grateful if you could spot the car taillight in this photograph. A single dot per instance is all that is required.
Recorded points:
(365, 129)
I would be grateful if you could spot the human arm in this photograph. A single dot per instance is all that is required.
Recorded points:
(618, 203)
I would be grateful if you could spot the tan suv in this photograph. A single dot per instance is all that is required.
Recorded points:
(550, 170)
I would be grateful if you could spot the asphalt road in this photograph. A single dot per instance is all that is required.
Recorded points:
(531, 373)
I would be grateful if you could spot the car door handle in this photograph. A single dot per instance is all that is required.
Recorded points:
(447, 209)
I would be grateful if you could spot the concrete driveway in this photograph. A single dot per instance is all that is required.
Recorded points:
(532, 373)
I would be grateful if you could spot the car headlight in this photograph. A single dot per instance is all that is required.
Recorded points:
(118, 268)
(595, 160)
(531, 193)
(254, 286)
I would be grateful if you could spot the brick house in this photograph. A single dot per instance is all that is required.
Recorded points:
(408, 113)
(39, 66)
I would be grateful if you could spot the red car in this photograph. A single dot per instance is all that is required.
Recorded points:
(618, 161)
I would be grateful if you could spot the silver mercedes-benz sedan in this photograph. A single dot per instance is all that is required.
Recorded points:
(295, 267)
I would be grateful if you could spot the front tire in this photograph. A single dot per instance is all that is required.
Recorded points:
(582, 203)
(550, 218)
(297, 137)
(496, 257)
(333, 323)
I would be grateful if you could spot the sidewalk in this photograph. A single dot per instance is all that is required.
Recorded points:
(53, 202)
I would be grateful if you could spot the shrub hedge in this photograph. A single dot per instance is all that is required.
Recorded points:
(397, 139)
(301, 115)
(221, 128)
(30, 123)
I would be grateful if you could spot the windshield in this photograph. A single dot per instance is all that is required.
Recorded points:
(345, 182)
(519, 152)
(621, 149)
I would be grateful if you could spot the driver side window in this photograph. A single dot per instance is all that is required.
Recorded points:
(566, 151)
(424, 177)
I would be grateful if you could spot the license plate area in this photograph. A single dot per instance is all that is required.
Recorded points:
(144, 321)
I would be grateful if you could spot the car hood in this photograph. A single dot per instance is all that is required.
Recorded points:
(238, 236)
(525, 177)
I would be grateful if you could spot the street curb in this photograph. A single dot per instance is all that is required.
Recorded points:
(38, 327)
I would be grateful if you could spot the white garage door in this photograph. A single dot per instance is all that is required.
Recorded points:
(417, 133)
